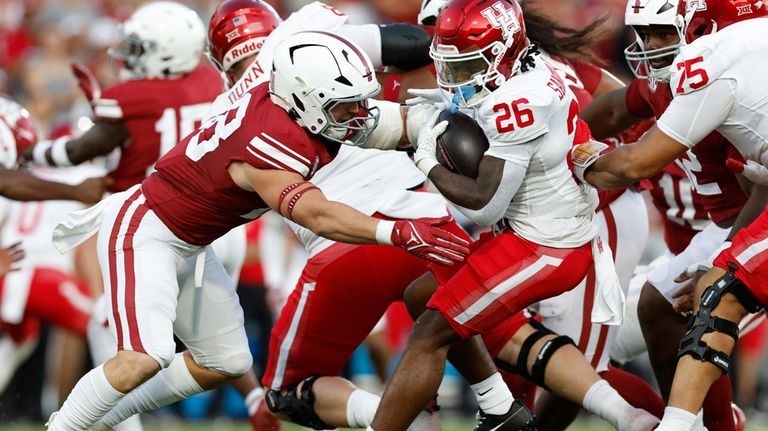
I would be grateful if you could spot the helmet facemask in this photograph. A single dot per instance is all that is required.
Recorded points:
(126, 58)
(472, 75)
(354, 130)
(640, 60)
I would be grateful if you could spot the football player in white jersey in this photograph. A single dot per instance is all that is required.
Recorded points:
(482, 56)
(715, 88)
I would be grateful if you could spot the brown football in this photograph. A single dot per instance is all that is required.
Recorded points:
(462, 145)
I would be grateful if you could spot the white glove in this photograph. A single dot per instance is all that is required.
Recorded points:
(433, 96)
(425, 156)
(584, 155)
(752, 171)
(431, 9)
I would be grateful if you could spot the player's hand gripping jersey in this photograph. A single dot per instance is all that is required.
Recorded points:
(192, 191)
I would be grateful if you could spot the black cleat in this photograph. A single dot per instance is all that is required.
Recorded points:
(518, 418)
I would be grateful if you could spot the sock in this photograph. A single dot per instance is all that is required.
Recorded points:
(92, 397)
(603, 400)
(699, 424)
(493, 395)
(253, 400)
(676, 420)
(172, 384)
(12, 355)
(718, 413)
(361, 408)
(635, 390)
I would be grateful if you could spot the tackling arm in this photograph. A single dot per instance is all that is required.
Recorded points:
(630, 163)
(99, 140)
(23, 186)
(300, 201)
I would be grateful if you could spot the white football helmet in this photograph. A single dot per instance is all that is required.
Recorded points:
(643, 13)
(314, 71)
(160, 40)
(429, 11)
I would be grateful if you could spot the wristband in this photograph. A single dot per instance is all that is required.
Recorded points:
(59, 152)
(427, 164)
(384, 232)
(39, 151)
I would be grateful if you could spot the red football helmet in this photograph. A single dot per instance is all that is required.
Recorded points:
(696, 18)
(478, 43)
(237, 30)
(17, 134)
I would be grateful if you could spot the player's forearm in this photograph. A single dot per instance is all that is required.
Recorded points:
(23, 186)
(460, 190)
(338, 222)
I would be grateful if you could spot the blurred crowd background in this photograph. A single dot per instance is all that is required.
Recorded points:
(39, 39)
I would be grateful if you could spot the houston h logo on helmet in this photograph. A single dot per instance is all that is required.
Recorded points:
(499, 17)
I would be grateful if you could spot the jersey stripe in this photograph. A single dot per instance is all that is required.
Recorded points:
(107, 108)
(290, 151)
(278, 156)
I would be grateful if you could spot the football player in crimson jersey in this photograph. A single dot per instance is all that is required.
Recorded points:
(648, 96)
(162, 95)
(723, 43)
(153, 237)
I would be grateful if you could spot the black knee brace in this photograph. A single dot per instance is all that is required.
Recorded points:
(703, 322)
(298, 406)
(542, 358)
(405, 46)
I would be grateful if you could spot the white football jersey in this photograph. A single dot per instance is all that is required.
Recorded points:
(315, 16)
(718, 84)
(372, 181)
(550, 207)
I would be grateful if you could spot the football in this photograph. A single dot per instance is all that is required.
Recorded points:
(462, 145)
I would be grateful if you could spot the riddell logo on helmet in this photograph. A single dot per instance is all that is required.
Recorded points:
(249, 47)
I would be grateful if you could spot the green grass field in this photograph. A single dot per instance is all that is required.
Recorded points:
(226, 425)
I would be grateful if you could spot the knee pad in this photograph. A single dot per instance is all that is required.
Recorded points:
(231, 363)
(542, 357)
(298, 405)
(703, 322)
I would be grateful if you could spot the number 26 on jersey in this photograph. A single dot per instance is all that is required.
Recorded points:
(523, 117)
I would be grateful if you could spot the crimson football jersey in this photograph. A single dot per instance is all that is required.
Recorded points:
(720, 193)
(191, 190)
(158, 113)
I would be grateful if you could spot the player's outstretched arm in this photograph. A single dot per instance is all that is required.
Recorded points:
(23, 186)
(302, 202)
(99, 140)
(629, 163)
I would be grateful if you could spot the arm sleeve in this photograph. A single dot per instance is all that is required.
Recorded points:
(515, 168)
(386, 135)
(368, 37)
(692, 116)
